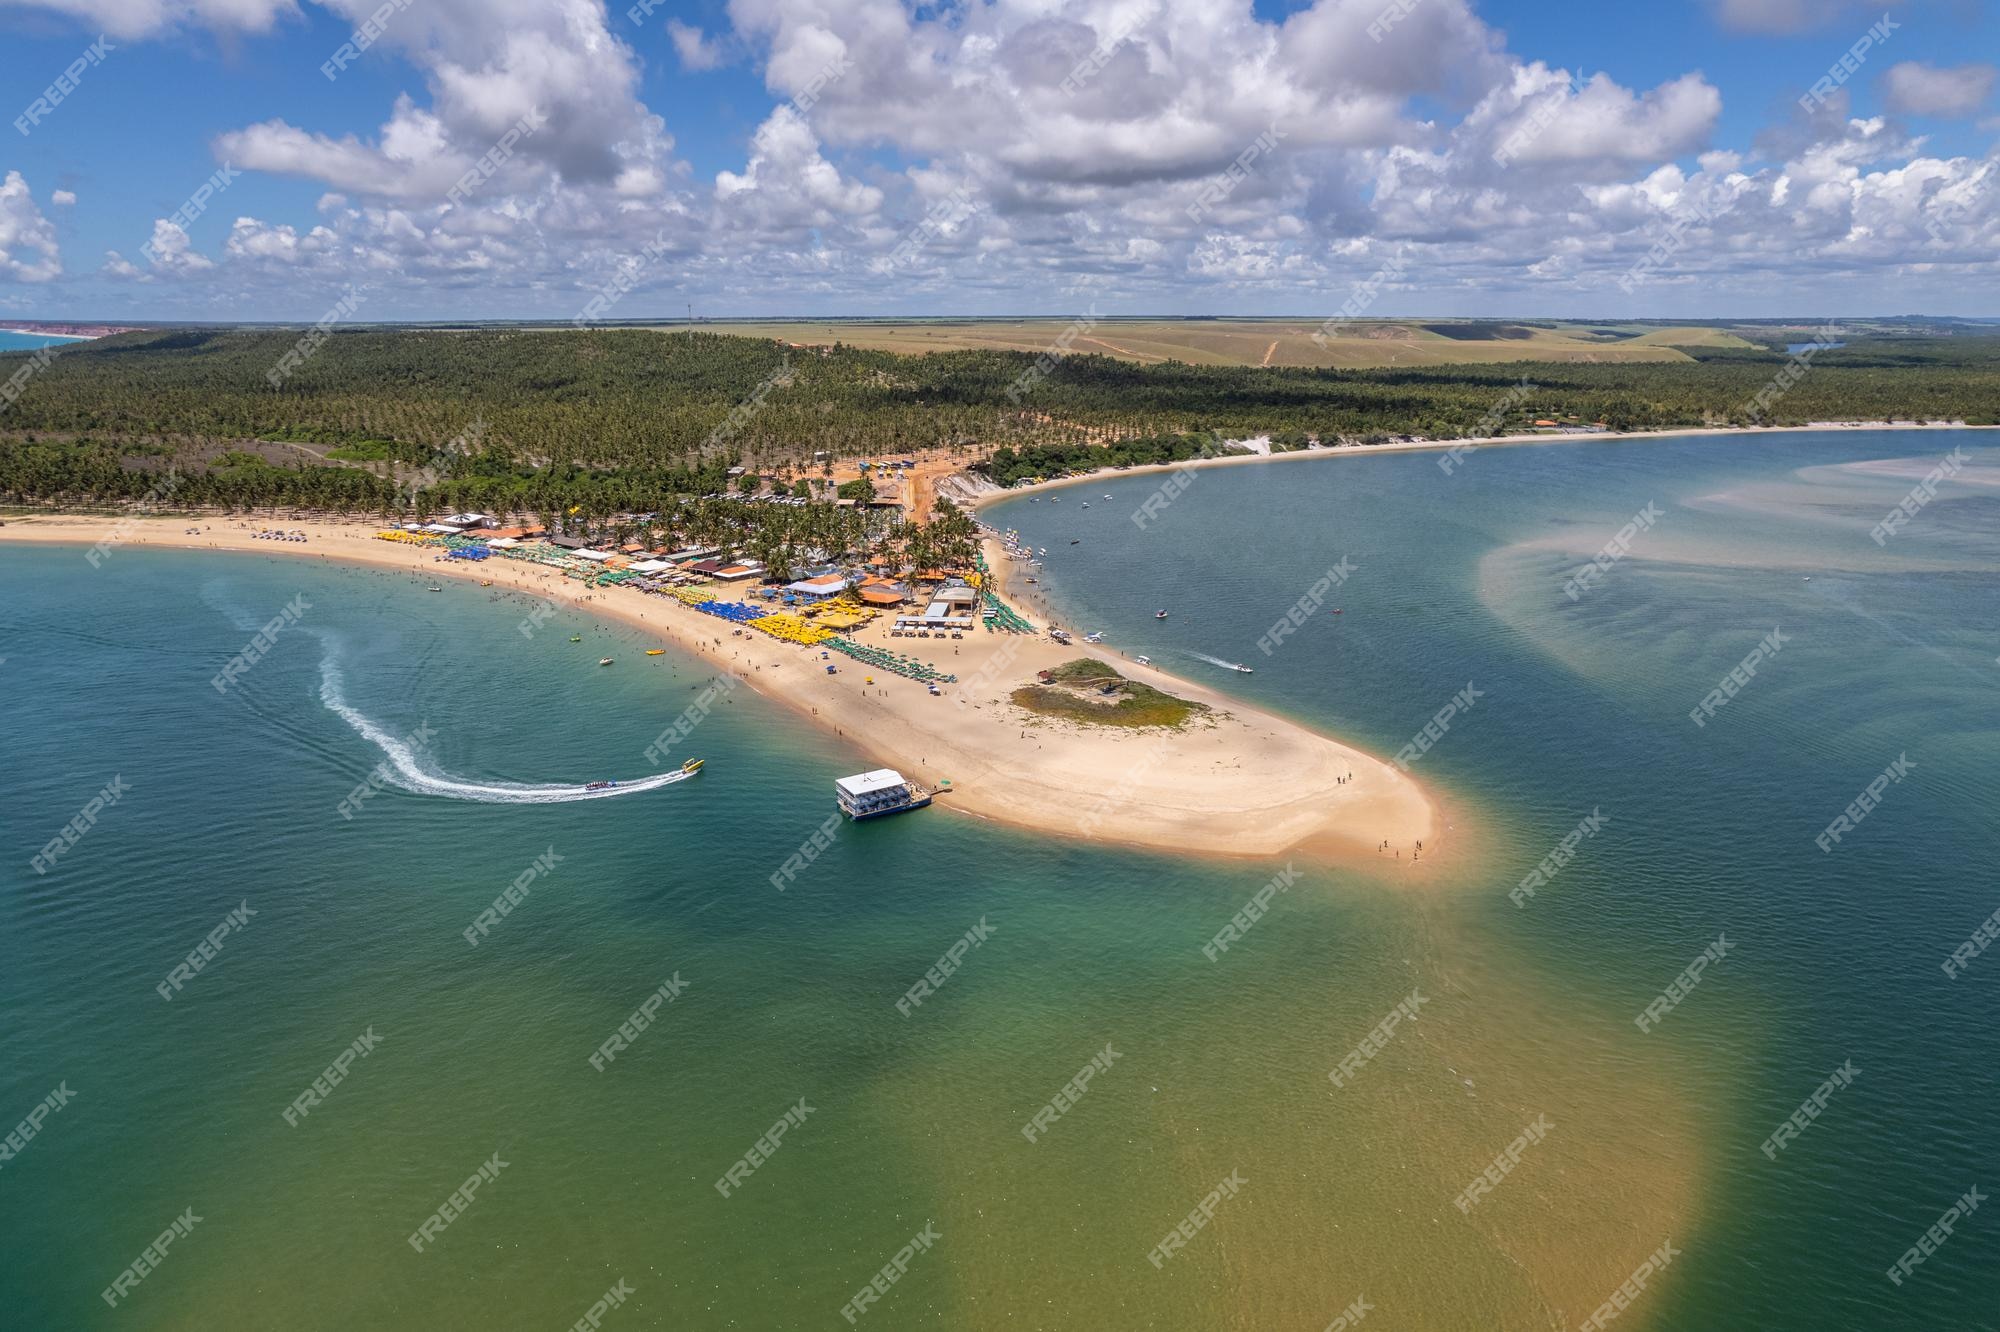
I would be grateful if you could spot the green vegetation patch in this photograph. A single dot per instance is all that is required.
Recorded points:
(371, 450)
(1086, 690)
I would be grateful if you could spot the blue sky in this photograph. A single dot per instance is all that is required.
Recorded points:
(763, 157)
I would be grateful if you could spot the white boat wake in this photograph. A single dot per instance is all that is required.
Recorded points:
(407, 767)
(1216, 661)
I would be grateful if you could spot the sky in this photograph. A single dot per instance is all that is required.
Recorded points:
(568, 160)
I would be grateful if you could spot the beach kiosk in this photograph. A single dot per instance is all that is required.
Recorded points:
(870, 795)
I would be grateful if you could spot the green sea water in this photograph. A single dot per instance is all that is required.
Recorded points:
(915, 1118)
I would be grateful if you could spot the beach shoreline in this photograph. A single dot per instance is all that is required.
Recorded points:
(996, 496)
(64, 337)
(1241, 783)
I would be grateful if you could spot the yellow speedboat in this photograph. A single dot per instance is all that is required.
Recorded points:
(692, 766)
(656, 652)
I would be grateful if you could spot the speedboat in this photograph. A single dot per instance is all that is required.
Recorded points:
(1159, 615)
(1097, 637)
(1143, 661)
(598, 786)
(1086, 504)
(656, 652)
(576, 638)
(604, 661)
(692, 766)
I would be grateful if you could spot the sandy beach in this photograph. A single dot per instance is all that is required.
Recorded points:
(1243, 783)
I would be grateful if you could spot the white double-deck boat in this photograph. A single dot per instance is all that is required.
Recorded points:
(872, 795)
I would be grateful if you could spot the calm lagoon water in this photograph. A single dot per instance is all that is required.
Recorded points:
(1221, 1066)
(14, 342)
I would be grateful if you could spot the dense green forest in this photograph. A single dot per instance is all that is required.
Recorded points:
(382, 420)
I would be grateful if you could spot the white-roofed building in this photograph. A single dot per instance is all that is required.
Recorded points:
(883, 791)
(827, 585)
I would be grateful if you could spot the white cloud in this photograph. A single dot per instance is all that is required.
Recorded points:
(28, 250)
(1926, 90)
(143, 18)
(695, 49)
(1079, 131)
(787, 186)
(487, 63)
(62, 198)
(1545, 115)
(171, 255)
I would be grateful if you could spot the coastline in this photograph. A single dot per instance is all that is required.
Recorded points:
(1243, 783)
(64, 337)
(1435, 445)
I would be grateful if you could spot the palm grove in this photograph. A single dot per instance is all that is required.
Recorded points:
(576, 428)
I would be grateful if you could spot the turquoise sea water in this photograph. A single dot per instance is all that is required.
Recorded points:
(29, 341)
(1889, 650)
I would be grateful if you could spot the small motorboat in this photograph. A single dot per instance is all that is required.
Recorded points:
(1077, 542)
(1107, 497)
(433, 588)
(598, 786)
(1086, 504)
(576, 638)
(656, 652)
(486, 582)
(1097, 637)
(1159, 615)
(1143, 661)
(604, 661)
(692, 766)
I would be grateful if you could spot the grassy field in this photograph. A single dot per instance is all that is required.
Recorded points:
(1362, 344)
(1086, 690)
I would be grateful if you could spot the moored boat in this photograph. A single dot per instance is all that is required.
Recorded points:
(874, 795)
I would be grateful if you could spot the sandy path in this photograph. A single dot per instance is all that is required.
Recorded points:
(1249, 784)
(1122, 351)
(1269, 352)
